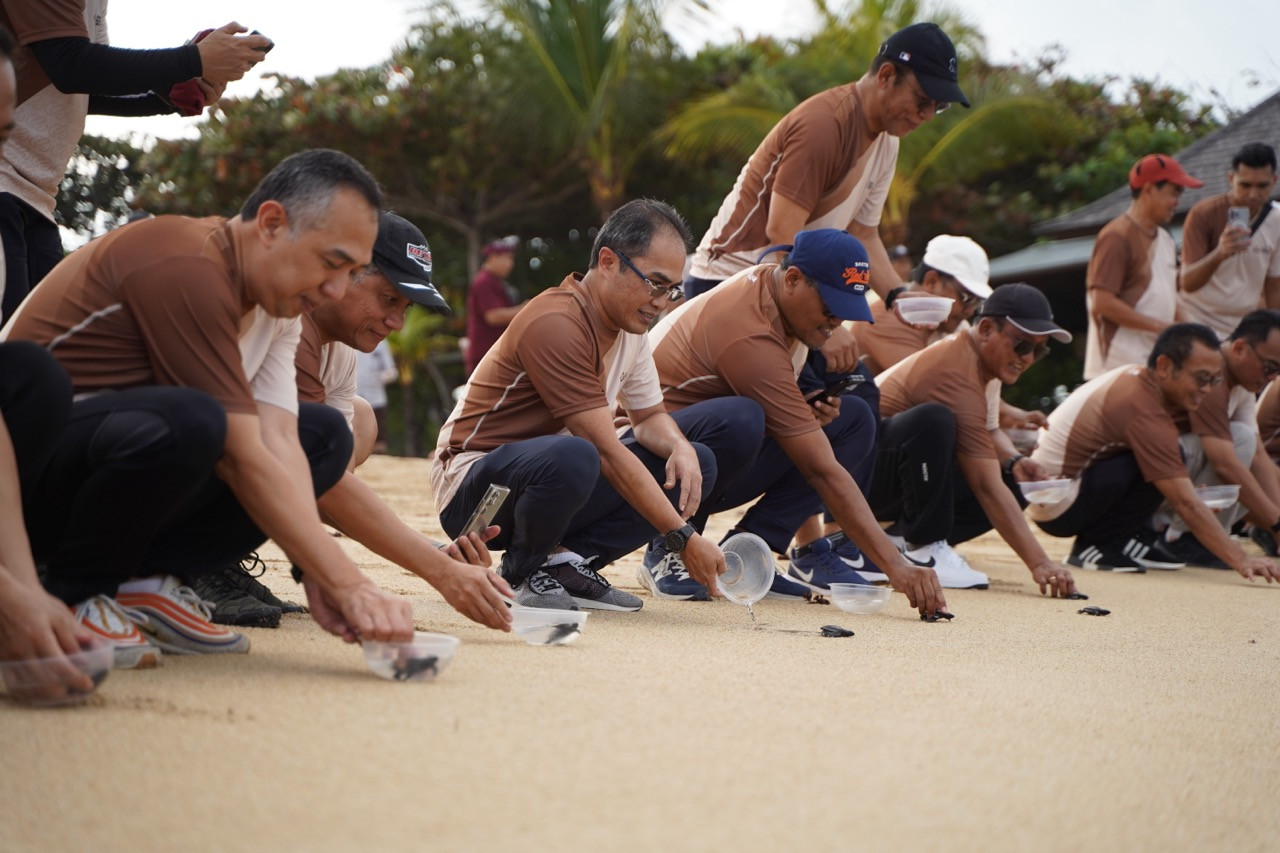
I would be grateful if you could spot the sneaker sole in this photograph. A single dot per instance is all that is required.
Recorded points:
(1119, 570)
(955, 585)
(136, 657)
(170, 631)
(267, 618)
(595, 604)
(646, 580)
(1159, 565)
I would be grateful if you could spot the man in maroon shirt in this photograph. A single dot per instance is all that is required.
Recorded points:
(491, 303)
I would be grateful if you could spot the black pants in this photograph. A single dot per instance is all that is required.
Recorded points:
(914, 484)
(1114, 501)
(32, 247)
(35, 399)
(130, 490)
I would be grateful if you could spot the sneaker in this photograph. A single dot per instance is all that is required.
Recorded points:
(785, 587)
(542, 590)
(817, 566)
(665, 576)
(856, 560)
(230, 604)
(1148, 549)
(588, 589)
(954, 572)
(1193, 553)
(108, 620)
(1264, 539)
(245, 577)
(1102, 558)
(176, 620)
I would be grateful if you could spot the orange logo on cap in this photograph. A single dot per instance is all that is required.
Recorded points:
(857, 275)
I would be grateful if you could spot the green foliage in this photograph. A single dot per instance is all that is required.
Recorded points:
(97, 192)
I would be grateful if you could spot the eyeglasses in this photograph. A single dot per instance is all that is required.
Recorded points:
(1023, 347)
(1270, 367)
(923, 101)
(964, 297)
(1207, 380)
(672, 293)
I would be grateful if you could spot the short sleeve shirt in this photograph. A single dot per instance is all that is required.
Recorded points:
(487, 292)
(557, 358)
(157, 302)
(889, 340)
(731, 342)
(326, 373)
(1268, 415)
(1236, 286)
(948, 372)
(1223, 405)
(823, 157)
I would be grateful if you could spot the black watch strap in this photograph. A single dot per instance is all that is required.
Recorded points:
(1011, 461)
(677, 539)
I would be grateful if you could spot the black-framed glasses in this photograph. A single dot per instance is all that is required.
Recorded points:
(1023, 347)
(672, 293)
(1270, 367)
(964, 297)
(923, 101)
(1206, 380)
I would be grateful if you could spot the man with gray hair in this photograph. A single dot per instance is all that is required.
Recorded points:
(537, 416)
(187, 447)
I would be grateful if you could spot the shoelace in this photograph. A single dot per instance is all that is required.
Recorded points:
(107, 613)
(542, 583)
(583, 568)
(672, 564)
(191, 600)
(829, 563)
(253, 566)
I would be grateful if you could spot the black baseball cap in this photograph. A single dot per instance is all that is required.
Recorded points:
(401, 254)
(1026, 308)
(929, 53)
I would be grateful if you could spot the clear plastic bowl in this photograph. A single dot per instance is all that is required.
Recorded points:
(859, 597)
(1024, 440)
(43, 682)
(749, 569)
(540, 626)
(923, 310)
(1218, 497)
(1046, 491)
(421, 659)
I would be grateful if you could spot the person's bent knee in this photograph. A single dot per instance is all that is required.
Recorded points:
(327, 443)
(364, 432)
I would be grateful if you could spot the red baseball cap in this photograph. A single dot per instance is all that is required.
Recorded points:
(1160, 167)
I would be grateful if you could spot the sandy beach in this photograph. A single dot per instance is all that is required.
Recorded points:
(1022, 725)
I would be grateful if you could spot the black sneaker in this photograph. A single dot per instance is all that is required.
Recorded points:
(1193, 553)
(230, 605)
(245, 578)
(588, 589)
(1149, 550)
(1102, 558)
(1264, 539)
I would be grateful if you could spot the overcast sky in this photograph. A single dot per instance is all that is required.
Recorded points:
(1185, 44)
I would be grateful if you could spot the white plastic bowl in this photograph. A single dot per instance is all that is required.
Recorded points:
(540, 626)
(421, 659)
(1218, 497)
(1024, 440)
(860, 598)
(923, 310)
(1046, 491)
(749, 569)
(43, 682)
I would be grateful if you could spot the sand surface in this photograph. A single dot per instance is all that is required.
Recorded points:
(1022, 725)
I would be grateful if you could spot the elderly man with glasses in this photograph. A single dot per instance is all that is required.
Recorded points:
(940, 477)
(1117, 440)
(537, 416)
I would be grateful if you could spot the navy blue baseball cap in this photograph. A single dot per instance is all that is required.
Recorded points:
(401, 254)
(838, 264)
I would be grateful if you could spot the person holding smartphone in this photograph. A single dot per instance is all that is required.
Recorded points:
(1231, 246)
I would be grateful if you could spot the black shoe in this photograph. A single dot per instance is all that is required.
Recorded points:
(1148, 549)
(1102, 558)
(1264, 540)
(245, 578)
(230, 605)
(1193, 553)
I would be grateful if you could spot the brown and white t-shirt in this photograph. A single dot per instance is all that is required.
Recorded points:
(1121, 410)
(1223, 405)
(948, 372)
(1235, 288)
(1268, 415)
(729, 342)
(557, 358)
(326, 372)
(889, 340)
(823, 157)
(160, 302)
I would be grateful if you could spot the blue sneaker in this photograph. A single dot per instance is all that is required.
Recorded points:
(853, 557)
(785, 587)
(816, 566)
(664, 575)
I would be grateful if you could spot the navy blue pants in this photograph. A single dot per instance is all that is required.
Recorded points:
(785, 497)
(1114, 501)
(559, 497)
(130, 490)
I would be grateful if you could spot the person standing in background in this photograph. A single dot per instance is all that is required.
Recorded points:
(491, 303)
(374, 370)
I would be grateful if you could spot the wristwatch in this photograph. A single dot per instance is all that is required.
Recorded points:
(676, 540)
(1011, 461)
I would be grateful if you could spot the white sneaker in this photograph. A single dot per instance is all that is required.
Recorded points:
(953, 571)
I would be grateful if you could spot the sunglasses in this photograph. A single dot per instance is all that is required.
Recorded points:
(1023, 346)
(672, 293)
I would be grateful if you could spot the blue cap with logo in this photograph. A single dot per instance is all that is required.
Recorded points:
(838, 264)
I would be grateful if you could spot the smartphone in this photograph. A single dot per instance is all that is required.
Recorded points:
(835, 389)
(270, 44)
(1238, 217)
(486, 509)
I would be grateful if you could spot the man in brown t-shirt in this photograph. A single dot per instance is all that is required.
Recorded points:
(537, 416)
(1116, 440)
(187, 446)
(749, 337)
(937, 463)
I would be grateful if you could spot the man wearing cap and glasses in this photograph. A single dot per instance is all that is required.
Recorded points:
(491, 303)
(750, 337)
(1116, 439)
(1132, 282)
(537, 416)
(374, 306)
(938, 475)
